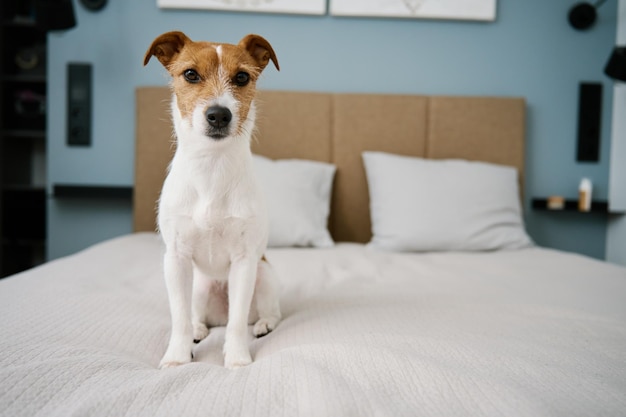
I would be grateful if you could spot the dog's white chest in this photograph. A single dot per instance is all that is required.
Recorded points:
(223, 226)
(216, 216)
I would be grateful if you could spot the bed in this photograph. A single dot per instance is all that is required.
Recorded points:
(409, 286)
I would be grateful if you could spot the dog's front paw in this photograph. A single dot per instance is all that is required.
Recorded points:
(237, 361)
(167, 364)
(172, 359)
(236, 355)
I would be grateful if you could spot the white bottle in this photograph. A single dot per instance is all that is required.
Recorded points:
(584, 195)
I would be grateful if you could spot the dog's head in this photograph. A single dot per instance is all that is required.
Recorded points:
(214, 84)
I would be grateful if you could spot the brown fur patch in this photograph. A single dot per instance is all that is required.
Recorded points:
(217, 71)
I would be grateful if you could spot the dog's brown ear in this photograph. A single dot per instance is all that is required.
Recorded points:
(166, 47)
(260, 49)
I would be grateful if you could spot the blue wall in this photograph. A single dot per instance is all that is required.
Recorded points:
(530, 51)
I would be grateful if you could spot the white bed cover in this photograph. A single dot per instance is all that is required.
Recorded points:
(533, 332)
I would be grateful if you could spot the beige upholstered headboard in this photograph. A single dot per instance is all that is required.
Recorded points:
(336, 128)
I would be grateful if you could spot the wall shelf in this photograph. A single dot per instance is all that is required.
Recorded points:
(24, 133)
(91, 191)
(572, 206)
(25, 78)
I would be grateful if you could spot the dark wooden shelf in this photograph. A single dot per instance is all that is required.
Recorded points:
(23, 188)
(23, 242)
(24, 133)
(20, 22)
(571, 206)
(25, 78)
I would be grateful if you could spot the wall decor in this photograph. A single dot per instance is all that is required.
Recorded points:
(425, 9)
(315, 7)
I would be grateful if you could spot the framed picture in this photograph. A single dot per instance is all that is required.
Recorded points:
(315, 7)
(424, 9)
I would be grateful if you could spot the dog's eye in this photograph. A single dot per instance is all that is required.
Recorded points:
(191, 76)
(241, 78)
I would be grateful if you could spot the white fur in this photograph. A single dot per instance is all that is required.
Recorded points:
(213, 221)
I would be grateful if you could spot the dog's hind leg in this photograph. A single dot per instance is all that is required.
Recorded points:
(209, 307)
(267, 299)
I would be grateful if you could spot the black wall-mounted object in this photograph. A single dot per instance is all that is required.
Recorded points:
(582, 16)
(616, 65)
(54, 14)
(79, 104)
(94, 5)
(589, 118)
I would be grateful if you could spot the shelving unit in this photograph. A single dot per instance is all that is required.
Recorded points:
(23, 87)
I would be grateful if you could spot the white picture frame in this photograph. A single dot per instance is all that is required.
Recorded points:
(479, 10)
(311, 7)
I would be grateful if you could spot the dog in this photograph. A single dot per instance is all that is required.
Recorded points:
(211, 213)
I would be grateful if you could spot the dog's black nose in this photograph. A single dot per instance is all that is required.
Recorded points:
(218, 116)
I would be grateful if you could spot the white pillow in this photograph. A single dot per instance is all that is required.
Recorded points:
(298, 194)
(424, 205)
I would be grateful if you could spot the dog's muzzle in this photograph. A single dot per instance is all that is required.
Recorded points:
(219, 118)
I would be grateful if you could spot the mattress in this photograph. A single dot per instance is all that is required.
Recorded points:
(529, 332)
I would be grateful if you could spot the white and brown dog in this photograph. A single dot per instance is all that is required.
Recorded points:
(211, 213)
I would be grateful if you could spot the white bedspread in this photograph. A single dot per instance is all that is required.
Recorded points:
(533, 332)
